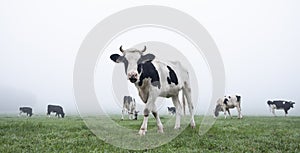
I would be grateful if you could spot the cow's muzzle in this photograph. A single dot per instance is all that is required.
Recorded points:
(132, 79)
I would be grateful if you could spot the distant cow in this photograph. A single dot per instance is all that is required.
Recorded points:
(27, 110)
(129, 106)
(56, 109)
(172, 110)
(226, 103)
(280, 104)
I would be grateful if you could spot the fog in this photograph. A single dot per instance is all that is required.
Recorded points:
(39, 41)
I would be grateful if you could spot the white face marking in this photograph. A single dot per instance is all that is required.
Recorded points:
(132, 57)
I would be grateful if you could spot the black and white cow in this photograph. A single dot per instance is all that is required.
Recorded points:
(280, 104)
(129, 106)
(55, 109)
(154, 78)
(172, 110)
(228, 102)
(27, 110)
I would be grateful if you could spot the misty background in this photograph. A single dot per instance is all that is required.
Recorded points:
(258, 41)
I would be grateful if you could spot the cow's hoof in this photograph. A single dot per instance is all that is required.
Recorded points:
(176, 127)
(142, 132)
(160, 129)
(193, 125)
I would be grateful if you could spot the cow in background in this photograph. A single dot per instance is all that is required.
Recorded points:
(172, 110)
(129, 106)
(280, 104)
(228, 102)
(154, 78)
(27, 110)
(55, 109)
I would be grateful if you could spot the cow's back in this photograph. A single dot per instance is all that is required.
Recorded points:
(166, 70)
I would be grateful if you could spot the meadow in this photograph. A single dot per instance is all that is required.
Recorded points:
(70, 134)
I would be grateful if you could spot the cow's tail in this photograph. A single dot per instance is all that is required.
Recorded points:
(218, 108)
(238, 99)
(183, 102)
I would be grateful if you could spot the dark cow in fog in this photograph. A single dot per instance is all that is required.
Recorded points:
(129, 106)
(280, 104)
(172, 110)
(27, 110)
(55, 109)
(228, 102)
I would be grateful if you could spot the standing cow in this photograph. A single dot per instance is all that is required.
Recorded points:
(228, 102)
(280, 104)
(27, 110)
(154, 78)
(55, 109)
(129, 106)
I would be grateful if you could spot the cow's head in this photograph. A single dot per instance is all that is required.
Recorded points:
(131, 59)
(292, 104)
(62, 115)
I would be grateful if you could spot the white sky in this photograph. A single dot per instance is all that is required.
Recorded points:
(258, 41)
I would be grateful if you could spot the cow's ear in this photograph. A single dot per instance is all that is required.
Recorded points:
(145, 58)
(117, 58)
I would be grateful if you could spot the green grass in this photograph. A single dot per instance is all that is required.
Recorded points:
(251, 134)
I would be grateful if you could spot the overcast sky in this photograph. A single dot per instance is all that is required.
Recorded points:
(39, 41)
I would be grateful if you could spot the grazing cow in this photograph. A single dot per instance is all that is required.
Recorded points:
(228, 102)
(154, 78)
(27, 110)
(56, 109)
(129, 106)
(172, 110)
(280, 104)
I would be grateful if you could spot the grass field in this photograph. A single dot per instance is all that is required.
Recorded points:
(251, 134)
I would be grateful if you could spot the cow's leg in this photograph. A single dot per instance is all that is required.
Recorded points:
(187, 93)
(228, 112)
(224, 110)
(160, 128)
(183, 104)
(178, 111)
(273, 111)
(130, 115)
(286, 112)
(239, 112)
(148, 108)
(122, 117)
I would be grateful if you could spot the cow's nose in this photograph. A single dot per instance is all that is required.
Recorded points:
(133, 77)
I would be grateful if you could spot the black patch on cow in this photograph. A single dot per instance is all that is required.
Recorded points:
(238, 98)
(225, 101)
(148, 70)
(154, 114)
(172, 76)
